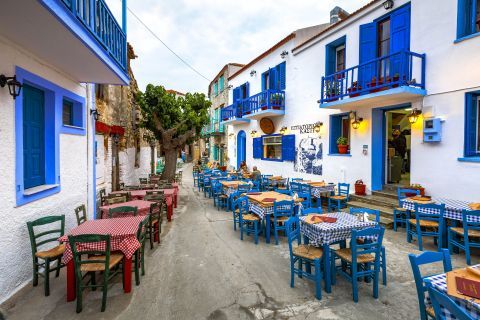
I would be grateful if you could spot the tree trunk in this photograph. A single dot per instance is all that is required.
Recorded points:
(152, 159)
(170, 164)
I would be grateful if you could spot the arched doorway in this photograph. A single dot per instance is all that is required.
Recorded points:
(241, 147)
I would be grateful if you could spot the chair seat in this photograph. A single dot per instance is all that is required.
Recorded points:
(308, 252)
(52, 253)
(346, 254)
(471, 233)
(154, 221)
(250, 217)
(282, 218)
(223, 196)
(401, 209)
(115, 259)
(425, 223)
(430, 312)
(338, 197)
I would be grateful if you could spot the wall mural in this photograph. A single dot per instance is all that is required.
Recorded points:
(309, 156)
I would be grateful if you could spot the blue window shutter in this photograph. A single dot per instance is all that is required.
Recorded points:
(465, 16)
(400, 40)
(288, 147)
(330, 59)
(335, 132)
(264, 80)
(272, 78)
(471, 117)
(257, 148)
(247, 89)
(283, 75)
(236, 94)
(368, 51)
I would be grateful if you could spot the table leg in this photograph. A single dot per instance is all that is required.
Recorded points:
(156, 232)
(169, 212)
(326, 269)
(71, 284)
(267, 228)
(127, 275)
(175, 198)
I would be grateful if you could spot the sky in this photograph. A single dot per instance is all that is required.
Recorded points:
(211, 33)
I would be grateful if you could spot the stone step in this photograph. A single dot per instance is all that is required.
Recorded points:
(386, 214)
(386, 193)
(392, 187)
(376, 200)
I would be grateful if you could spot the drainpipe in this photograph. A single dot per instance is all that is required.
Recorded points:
(91, 166)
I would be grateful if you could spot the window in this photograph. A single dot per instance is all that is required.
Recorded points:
(340, 58)
(339, 127)
(72, 114)
(272, 147)
(67, 113)
(215, 89)
(275, 78)
(468, 21)
(335, 56)
(472, 125)
(383, 46)
(221, 83)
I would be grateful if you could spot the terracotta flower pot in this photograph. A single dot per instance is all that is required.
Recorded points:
(360, 189)
(342, 149)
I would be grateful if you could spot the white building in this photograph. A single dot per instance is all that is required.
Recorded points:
(54, 49)
(370, 71)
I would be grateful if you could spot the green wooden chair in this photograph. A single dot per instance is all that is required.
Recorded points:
(155, 217)
(102, 195)
(115, 200)
(155, 192)
(101, 261)
(121, 212)
(44, 237)
(81, 214)
(139, 256)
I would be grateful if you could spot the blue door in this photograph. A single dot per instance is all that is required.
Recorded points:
(33, 137)
(241, 148)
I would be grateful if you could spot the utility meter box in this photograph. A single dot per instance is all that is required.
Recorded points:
(432, 130)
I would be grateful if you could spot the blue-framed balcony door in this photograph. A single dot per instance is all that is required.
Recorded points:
(241, 148)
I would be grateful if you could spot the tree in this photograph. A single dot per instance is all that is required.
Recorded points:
(175, 122)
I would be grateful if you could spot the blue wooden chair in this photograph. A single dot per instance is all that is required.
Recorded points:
(248, 222)
(243, 188)
(308, 211)
(238, 204)
(426, 224)
(207, 186)
(339, 201)
(422, 259)
(303, 254)
(466, 237)
(200, 181)
(294, 180)
(295, 187)
(195, 178)
(439, 300)
(219, 198)
(282, 210)
(399, 213)
(284, 191)
(361, 260)
(256, 185)
(383, 256)
(266, 182)
(306, 194)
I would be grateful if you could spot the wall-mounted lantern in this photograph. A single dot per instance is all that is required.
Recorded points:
(413, 116)
(253, 73)
(253, 133)
(95, 114)
(284, 54)
(388, 4)
(317, 127)
(283, 130)
(229, 86)
(14, 86)
(356, 121)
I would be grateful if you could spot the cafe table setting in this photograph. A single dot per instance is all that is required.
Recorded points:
(453, 208)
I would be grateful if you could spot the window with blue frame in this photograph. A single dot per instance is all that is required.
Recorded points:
(215, 88)
(339, 127)
(335, 56)
(72, 114)
(221, 83)
(274, 147)
(275, 78)
(472, 125)
(468, 20)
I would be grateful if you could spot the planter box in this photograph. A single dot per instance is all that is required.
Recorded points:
(276, 107)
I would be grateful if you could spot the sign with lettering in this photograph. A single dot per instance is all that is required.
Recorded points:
(304, 128)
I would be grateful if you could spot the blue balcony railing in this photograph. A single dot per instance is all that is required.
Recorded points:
(231, 112)
(404, 68)
(99, 20)
(265, 100)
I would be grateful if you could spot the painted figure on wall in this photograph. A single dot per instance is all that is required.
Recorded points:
(309, 155)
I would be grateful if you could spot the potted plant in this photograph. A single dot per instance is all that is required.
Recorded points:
(332, 92)
(276, 101)
(353, 90)
(374, 83)
(360, 188)
(416, 186)
(342, 144)
(263, 104)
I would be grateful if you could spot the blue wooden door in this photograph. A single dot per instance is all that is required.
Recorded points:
(33, 137)
(400, 41)
(368, 52)
(241, 148)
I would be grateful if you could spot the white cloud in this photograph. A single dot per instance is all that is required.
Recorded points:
(210, 33)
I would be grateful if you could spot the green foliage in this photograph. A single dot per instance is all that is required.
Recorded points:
(342, 141)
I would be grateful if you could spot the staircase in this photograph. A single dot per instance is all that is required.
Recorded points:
(384, 201)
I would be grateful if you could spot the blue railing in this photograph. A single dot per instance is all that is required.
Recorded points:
(231, 112)
(404, 68)
(99, 20)
(266, 100)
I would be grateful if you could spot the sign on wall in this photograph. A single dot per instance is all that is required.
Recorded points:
(304, 128)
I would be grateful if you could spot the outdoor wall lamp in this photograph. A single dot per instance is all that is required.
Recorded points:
(413, 116)
(253, 133)
(230, 135)
(229, 86)
(284, 54)
(388, 4)
(356, 121)
(116, 138)
(14, 86)
(317, 127)
(95, 114)
(253, 73)
(283, 130)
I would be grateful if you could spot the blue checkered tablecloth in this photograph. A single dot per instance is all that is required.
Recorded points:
(317, 191)
(263, 211)
(229, 191)
(327, 233)
(453, 208)
(439, 282)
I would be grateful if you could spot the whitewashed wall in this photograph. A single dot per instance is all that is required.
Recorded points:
(128, 173)
(451, 70)
(15, 251)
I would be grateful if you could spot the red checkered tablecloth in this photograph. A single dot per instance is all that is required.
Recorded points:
(140, 194)
(143, 207)
(122, 231)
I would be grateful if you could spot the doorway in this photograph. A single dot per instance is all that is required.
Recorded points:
(391, 145)
(241, 148)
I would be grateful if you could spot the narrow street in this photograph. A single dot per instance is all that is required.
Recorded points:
(202, 270)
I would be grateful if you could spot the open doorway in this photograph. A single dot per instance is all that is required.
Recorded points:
(398, 146)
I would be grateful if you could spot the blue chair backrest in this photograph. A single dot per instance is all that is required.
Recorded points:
(305, 188)
(295, 186)
(304, 212)
(256, 185)
(435, 211)
(283, 208)
(243, 187)
(427, 257)
(374, 246)
(373, 212)
(343, 189)
(469, 219)
(292, 227)
(403, 192)
(241, 203)
(284, 191)
(440, 299)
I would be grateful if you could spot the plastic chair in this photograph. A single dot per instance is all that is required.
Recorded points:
(81, 214)
(466, 237)
(439, 300)
(432, 224)
(303, 254)
(42, 238)
(416, 261)
(98, 261)
(248, 222)
(120, 212)
(282, 210)
(361, 259)
(339, 201)
(399, 213)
